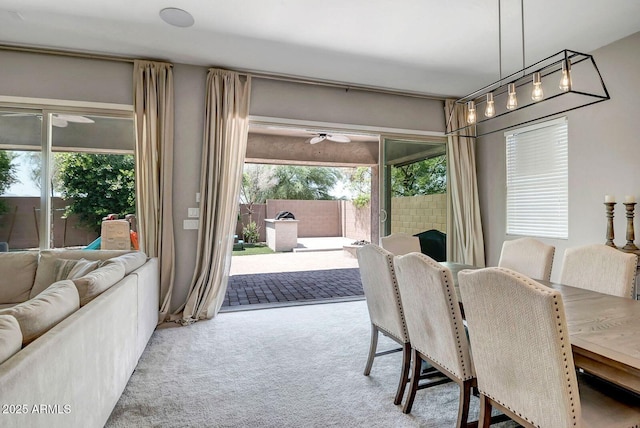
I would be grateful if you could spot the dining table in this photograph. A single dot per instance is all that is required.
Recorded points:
(604, 331)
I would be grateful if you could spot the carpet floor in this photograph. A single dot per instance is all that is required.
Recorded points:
(298, 366)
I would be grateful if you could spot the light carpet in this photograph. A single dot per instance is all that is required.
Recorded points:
(286, 367)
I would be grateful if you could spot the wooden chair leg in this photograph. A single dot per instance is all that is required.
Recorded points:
(463, 406)
(404, 375)
(372, 349)
(416, 366)
(485, 412)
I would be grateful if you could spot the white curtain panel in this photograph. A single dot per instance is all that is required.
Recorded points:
(223, 151)
(154, 115)
(466, 243)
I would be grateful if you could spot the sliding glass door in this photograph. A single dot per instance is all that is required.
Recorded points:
(413, 185)
(75, 165)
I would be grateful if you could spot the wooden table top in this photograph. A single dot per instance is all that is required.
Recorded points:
(604, 331)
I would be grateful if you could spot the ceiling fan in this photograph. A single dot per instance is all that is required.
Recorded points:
(57, 119)
(338, 138)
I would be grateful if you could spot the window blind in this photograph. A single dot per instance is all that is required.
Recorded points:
(537, 180)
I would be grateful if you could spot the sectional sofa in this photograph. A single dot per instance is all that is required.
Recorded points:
(73, 325)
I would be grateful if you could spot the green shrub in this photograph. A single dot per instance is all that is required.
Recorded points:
(251, 233)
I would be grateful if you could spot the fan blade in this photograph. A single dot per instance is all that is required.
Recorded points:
(58, 122)
(316, 140)
(339, 138)
(20, 114)
(74, 118)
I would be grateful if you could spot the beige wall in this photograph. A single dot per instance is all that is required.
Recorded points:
(316, 218)
(604, 158)
(415, 214)
(356, 221)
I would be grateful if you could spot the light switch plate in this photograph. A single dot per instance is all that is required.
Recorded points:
(193, 212)
(190, 224)
(197, 197)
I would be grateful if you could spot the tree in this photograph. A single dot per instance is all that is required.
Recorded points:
(97, 185)
(426, 177)
(304, 182)
(8, 176)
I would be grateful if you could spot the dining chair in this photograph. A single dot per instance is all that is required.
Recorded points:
(385, 308)
(435, 326)
(516, 326)
(399, 244)
(600, 268)
(528, 256)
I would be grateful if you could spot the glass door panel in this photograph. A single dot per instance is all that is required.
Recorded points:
(413, 183)
(20, 190)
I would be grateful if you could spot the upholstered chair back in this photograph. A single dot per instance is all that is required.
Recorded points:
(400, 243)
(521, 348)
(381, 291)
(528, 256)
(432, 313)
(600, 268)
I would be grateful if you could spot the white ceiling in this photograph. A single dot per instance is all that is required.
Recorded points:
(435, 47)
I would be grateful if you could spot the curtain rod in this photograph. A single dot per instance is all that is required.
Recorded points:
(336, 84)
(257, 74)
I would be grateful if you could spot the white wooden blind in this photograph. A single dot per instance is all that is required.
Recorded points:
(537, 180)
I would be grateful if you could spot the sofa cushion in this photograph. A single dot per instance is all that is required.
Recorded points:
(10, 337)
(94, 283)
(131, 261)
(71, 269)
(39, 314)
(18, 272)
(45, 275)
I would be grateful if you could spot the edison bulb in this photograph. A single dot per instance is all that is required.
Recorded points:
(565, 80)
(471, 113)
(512, 101)
(490, 108)
(537, 94)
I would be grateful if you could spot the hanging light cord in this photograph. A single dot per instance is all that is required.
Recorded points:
(522, 16)
(500, 41)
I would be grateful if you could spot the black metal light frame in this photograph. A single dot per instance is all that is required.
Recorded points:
(547, 68)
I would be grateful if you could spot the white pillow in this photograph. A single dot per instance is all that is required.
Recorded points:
(131, 261)
(18, 273)
(94, 283)
(10, 337)
(71, 269)
(38, 315)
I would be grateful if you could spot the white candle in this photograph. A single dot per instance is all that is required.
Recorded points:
(609, 198)
(629, 199)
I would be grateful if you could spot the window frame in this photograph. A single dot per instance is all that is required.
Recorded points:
(48, 107)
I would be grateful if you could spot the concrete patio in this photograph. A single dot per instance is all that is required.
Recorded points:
(317, 271)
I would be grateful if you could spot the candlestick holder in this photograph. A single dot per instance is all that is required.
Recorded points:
(630, 246)
(609, 210)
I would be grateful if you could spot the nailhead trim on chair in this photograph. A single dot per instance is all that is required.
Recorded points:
(563, 340)
(396, 291)
(465, 374)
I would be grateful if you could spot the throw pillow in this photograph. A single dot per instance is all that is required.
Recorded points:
(18, 271)
(10, 337)
(38, 315)
(94, 283)
(71, 269)
(131, 261)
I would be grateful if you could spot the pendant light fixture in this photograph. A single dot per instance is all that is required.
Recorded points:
(500, 99)
(537, 94)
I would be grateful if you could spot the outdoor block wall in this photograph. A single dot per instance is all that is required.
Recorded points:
(20, 229)
(415, 214)
(317, 218)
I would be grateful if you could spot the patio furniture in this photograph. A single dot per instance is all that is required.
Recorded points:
(433, 243)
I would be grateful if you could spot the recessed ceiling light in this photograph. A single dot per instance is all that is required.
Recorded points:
(176, 17)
